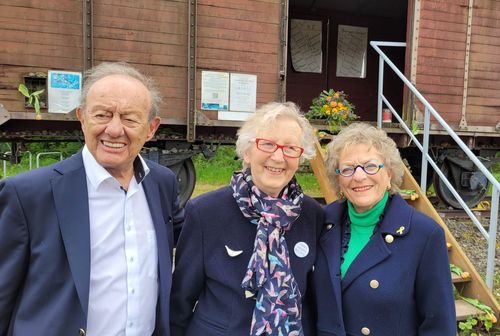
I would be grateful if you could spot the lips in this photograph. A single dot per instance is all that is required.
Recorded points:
(113, 144)
(363, 188)
(275, 170)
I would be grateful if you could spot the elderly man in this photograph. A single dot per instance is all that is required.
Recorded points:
(86, 244)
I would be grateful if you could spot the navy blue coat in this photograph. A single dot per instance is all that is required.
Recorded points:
(45, 247)
(400, 286)
(205, 272)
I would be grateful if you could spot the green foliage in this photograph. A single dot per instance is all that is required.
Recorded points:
(218, 169)
(455, 269)
(65, 148)
(476, 325)
(33, 97)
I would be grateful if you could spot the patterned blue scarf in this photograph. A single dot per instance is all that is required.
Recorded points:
(269, 278)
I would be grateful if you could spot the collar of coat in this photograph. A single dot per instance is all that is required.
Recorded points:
(396, 220)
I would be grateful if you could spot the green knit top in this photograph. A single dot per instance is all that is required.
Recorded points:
(362, 226)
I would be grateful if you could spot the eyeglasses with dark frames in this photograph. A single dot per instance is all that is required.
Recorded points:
(269, 146)
(369, 168)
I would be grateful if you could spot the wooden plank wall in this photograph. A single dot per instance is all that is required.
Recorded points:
(441, 55)
(441, 60)
(483, 101)
(243, 37)
(36, 36)
(152, 35)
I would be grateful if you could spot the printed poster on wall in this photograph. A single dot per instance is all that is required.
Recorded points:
(242, 97)
(351, 51)
(64, 90)
(214, 90)
(305, 45)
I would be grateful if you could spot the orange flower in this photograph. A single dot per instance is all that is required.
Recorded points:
(333, 104)
(328, 98)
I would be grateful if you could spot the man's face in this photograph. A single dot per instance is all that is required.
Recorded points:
(115, 122)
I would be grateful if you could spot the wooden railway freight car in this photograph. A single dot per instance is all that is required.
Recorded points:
(278, 49)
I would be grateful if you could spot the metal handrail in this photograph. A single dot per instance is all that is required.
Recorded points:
(427, 159)
(39, 155)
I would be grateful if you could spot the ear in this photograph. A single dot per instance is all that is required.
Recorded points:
(80, 116)
(153, 126)
(246, 158)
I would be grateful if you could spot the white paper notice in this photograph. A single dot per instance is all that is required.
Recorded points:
(64, 90)
(305, 45)
(214, 90)
(243, 92)
(351, 51)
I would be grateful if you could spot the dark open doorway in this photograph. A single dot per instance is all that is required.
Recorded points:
(383, 20)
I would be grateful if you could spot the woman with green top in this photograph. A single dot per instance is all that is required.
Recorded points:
(383, 264)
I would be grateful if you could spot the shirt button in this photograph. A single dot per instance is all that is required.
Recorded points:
(389, 238)
(129, 228)
(132, 291)
(131, 324)
(81, 332)
(374, 284)
(365, 331)
(131, 259)
(329, 226)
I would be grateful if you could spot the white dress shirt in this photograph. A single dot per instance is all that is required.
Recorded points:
(123, 256)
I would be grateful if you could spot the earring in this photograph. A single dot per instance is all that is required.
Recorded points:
(341, 194)
(388, 188)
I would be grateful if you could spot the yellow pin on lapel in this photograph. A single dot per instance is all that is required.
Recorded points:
(400, 230)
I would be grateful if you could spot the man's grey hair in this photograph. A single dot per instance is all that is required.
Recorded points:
(123, 69)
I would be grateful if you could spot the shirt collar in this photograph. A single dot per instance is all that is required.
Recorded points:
(97, 174)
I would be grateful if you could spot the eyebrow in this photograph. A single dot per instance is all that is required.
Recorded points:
(349, 163)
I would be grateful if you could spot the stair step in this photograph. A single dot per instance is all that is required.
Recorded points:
(465, 310)
(455, 278)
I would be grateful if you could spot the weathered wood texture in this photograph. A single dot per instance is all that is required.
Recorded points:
(240, 37)
(233, 36)
(442, 60)
(36, 36)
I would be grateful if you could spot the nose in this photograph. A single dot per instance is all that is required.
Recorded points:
(115, 127)
(359, 173)
(278, 155)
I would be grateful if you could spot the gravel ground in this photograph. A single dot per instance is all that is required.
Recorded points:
(475, 246)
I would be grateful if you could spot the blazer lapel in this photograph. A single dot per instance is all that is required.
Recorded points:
(71, 204)
(374, 253)
(331, 246)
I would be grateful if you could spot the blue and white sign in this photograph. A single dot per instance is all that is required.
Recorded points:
(64, 90)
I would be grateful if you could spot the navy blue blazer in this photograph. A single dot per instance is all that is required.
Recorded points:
(205, 272)
(399, 284)
(45, 247)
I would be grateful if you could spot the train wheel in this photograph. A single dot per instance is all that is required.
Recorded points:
(471, 186)
(186, 177)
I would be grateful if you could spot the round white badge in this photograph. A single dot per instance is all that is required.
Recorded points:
(301, 249)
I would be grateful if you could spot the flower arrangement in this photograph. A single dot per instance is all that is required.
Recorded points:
(333, 107)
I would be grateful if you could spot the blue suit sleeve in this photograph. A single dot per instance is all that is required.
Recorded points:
(189, 275)
(434, 289)
(14, 242)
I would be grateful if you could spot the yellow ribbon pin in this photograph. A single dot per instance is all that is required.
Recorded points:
(400, 230)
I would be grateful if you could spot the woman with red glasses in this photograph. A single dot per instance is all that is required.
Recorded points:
(386, 261)
(246, 251)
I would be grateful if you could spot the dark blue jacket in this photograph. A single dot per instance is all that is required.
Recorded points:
(45, 247)
(399, 284)
(205, 272)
